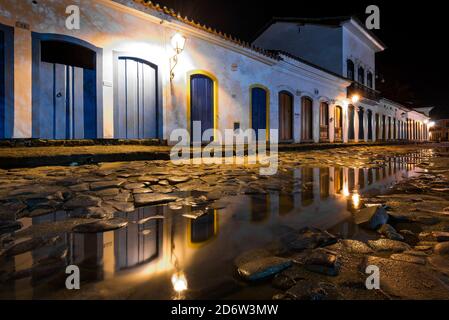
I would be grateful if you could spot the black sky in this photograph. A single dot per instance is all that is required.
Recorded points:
(415, 67)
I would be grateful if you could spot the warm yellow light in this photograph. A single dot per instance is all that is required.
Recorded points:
(355, 98)
(179, 282)
(356, 200)
(346, 191)
(178, 43)
(431, 124)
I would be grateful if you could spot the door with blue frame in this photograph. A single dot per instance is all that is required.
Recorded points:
(135, 107)
(258, 109)
(201, 105)
(67, 92)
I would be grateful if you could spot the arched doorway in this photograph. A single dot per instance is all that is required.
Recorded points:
(338, 135)
(259, 109)
(324, 121)
(370, 125)
(202, 105)
(136, 99)
(66, 88)
(285, 116)
(307, 120)
(351, 129)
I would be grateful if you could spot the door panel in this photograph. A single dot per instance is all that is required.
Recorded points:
(202, 102)
(285, 117)
(351, 129)
(338, 124)
(258, 109)
(67, 98)
(136, 99)
(307, 125)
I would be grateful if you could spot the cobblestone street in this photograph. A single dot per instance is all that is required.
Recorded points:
(306, 233)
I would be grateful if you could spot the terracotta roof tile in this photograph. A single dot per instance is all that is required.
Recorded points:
(193, 23)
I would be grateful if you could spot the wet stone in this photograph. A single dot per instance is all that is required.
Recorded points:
(308, 290)
(311, 238)
(9, 226)
(131, 186)
(107, 192)
(322, 261)
(152, 199)
(390, 233)
(442, 248)
(106, 184)
(82, 201)
(25, 246)
(178, 179)
(388, 245)
(101, 226)
(355, 246)
(441, 236)
(427, 220)
(263, 268)
(371, 218)
(408, 258)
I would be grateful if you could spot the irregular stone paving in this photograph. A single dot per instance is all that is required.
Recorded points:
(410, 246)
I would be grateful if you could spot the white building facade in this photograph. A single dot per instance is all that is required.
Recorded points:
(118, 76)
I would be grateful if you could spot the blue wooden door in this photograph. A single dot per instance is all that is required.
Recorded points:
(136, 99)
(258, 109)
(67, 100)
(202, 103)
(2, 85)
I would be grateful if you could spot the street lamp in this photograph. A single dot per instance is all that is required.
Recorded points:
(178, 43)
(355, 98)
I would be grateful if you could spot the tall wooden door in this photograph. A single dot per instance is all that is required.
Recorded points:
(307, 119)
(201, 103)
(67, 92)
(285, 116)
(136, 99)
(324, 121)
(338, 124)
(258, 109)
(361, 113)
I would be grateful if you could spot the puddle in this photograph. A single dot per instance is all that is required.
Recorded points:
(148, 259)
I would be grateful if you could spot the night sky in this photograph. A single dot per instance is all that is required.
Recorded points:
(414, 68)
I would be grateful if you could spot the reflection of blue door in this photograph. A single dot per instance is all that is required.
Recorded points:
(2, 85)
(136, 99)
(67, 92)
(202, 103)
(258, 109)
(6, 81)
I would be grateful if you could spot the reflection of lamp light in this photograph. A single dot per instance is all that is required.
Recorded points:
(355, 98)
(179, 282)
(356, 200)
(346, 191)
(178, 43)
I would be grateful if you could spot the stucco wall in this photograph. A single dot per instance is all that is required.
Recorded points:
(318, 44)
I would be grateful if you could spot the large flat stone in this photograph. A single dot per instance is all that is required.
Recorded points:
(388, 245)
(101, 226)
(149, 199)
(408, 281)
(371, 218)
(263, 268)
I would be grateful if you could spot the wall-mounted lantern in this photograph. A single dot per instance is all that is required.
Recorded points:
(355, 98)
(178, 43)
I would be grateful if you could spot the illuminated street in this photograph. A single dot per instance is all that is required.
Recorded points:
(217, 231)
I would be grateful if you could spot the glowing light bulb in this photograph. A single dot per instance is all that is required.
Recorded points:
(355, 98)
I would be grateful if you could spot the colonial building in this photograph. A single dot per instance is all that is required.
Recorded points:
(134, 70)
(440, 130)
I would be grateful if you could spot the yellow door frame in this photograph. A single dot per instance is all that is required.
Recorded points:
(267, 91)
(189, 102)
